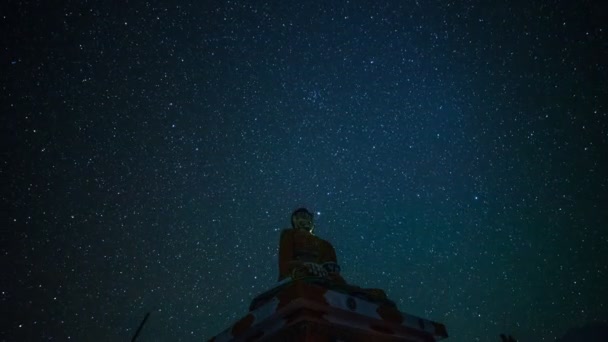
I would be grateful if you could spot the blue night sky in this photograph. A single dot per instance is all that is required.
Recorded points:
(456, 153)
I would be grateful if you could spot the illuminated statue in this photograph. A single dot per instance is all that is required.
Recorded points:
(303, 254)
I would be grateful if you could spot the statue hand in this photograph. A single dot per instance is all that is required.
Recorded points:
(331, 267)
(316, 270)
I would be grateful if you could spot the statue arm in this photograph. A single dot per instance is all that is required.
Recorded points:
(330, 260)
(286, 262)
(332, 254)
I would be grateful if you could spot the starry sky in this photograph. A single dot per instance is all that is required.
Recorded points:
(455, 153)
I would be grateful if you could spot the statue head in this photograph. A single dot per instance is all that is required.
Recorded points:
(301, 218)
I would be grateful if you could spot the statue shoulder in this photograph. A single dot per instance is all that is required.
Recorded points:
(326, 243)
(286, 232)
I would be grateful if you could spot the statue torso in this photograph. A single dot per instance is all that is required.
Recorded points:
(310, 248)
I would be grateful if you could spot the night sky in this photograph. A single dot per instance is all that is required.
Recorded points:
(455, 153)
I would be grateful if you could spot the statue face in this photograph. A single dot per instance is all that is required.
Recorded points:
(303, 220)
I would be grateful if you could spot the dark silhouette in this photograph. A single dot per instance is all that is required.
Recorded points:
(141, 326)
(507, 338)
(594, 332)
